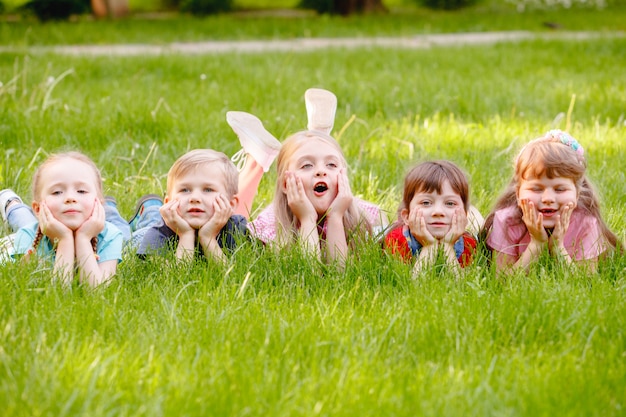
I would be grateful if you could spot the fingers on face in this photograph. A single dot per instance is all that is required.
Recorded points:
(342, 182)
(289, 180)
(98, 210)
(414, 217)
(222, 205)
(168, 205)
(295, 187)
(170, 209)
(568, 208)
(175, 204)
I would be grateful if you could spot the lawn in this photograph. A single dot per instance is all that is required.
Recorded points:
(273, 333)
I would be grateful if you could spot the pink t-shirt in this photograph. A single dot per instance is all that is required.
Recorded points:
(264, 226)
(583, 239)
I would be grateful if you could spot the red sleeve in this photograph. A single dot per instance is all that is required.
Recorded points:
(469, 247)
(396, 243)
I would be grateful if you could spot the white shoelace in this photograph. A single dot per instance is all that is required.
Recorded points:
(239, 159)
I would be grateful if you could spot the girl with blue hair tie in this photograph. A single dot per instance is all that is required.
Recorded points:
(548, 207)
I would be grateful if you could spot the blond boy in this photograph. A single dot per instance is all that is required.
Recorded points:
(198, 211)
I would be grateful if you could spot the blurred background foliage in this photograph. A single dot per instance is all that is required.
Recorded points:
(64, 9)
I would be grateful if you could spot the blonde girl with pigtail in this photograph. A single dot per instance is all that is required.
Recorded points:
(548, 207)
(70, 230)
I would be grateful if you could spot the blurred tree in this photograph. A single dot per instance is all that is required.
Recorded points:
(206, 7)
(55, 9)
(447, 4)
(109, 8)
(344, 7)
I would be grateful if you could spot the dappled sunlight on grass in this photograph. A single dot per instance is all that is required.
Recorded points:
(274, 332)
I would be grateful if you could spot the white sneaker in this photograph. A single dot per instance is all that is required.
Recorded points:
(321, 106)
(6, 248)
(255, 140)
(6, 196)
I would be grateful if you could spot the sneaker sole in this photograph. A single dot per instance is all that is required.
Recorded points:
(321, 106)
(140, 203)
(252, 127)
(254, 133)
(7, 195)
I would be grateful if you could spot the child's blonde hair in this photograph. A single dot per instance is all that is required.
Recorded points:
(54, 158)
(199, 157)
(354, 221)
(556, 154)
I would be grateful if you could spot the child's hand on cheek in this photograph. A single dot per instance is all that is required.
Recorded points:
(533, 221)
(173, 220)
(297, 200)
(562, 224)
(95, 223)
(221, 213)
(457, 227)
(50, 226)
(417, 226)
(344, 195)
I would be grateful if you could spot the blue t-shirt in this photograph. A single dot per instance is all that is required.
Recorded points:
(109, 243)
(160, 237)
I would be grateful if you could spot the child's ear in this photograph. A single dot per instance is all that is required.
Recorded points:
(404, 215)
(234, 201)
(36, 207)
(166, 199)
(283, 182)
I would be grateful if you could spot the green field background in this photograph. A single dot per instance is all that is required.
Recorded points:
(276, 333)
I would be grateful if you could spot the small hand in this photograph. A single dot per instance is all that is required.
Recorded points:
(95, 223)
(417, 226)
(562, 224)
(297, 199)
(173, 220)
(457, 228)
(222, 211)
(344, 195)
(533, 221)
(50, 226)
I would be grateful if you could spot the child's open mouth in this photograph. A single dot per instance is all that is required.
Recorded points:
(320, 188)
(548, 212)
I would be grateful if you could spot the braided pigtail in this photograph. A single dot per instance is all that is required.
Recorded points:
(94, 246)
(37, 240)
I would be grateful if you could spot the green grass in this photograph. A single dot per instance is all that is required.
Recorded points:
(271, 334)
